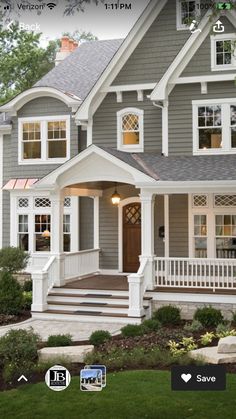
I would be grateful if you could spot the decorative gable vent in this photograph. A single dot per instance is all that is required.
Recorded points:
(42, 202)
(67, 202)
(23, 203)
(200, 201)
(225, 200)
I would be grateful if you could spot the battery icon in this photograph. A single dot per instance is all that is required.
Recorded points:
(223, 6)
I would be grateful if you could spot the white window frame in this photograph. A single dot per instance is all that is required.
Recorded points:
(130, 147)
(222, 37)
(225, 126)
(43, 120)
(179, 25)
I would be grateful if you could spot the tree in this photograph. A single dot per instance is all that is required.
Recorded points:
(22, 61)
(81, 36)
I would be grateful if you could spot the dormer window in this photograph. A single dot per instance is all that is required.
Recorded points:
(130, 129)
(223, 52)
(186, 11)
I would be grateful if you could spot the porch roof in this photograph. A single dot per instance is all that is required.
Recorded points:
(19, 184)
(180, 168)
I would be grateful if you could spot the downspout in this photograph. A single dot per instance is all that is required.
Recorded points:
(164, 108)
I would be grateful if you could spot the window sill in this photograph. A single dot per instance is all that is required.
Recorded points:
(213, 153)
(39, 161)
(224, 68)
(131, 149)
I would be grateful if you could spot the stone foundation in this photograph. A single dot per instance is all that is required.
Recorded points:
(188, 308)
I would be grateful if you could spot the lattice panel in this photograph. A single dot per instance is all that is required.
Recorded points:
(67, 202)
(42, 202)
(23, 202)
(225, 200)
(130, 122)
(200, 201)
(132, 214)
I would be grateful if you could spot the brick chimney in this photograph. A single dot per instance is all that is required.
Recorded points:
(67, 46)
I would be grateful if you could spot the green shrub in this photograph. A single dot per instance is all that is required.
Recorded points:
(132, 330)
(167, 315)
(12, 371)
(13, 259)
(180, 348)
(195, 326)
(224, 330)
(59, 340)
(150, 325)
(233, 321)
(208, 316)
(11, 297)
(27, 300)
(207, 338)
(27, 286)
(99, 337)
(18, 346)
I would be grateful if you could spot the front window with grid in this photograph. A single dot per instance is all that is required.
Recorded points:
(45, 139)
(186, 12)
(209, 127)
(66, 233)
(200, 236)
(223, 52)
(130, 129)
(23, 232)
(42, 229)
(225, 235)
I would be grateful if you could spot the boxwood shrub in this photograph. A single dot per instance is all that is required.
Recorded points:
(208, 316)
(59, 340)
(132, 330)
(99, 337)
(167, 315)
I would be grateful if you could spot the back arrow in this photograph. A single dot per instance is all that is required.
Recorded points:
(22, 377)
(9, 26)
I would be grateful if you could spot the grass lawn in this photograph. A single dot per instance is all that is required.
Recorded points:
(128, 395)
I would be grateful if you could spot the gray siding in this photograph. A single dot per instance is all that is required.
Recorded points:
(86, 223)
(108, 228)
(158, 222)
(156, 50)
(200, 64)
(105, 121)
(180, 112)
(178, 220)
(44, 106)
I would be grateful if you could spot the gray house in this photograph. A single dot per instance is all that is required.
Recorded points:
(118, 170)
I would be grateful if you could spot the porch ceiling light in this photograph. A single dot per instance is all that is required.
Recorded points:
(46, 234)
(115, 198)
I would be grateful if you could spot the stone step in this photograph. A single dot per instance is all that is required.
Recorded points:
(85, 316)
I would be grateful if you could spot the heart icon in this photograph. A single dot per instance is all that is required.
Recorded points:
(186, 377)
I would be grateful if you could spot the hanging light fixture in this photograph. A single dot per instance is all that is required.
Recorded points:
(46, 234)
(115, 198)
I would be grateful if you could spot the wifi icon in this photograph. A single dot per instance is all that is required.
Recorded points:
(51, 5)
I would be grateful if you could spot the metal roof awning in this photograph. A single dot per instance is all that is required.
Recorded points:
(19, 184)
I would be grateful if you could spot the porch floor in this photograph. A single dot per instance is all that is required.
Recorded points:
(100, 282)
(194, 290)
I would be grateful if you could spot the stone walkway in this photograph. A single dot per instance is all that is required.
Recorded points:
(79, 331)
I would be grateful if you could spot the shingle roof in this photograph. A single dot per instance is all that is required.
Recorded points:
(78, 73)
(180, 168)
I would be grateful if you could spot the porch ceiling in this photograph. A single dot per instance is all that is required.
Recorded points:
(95, 185)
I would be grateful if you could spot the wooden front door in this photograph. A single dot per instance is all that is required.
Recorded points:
(131, 237)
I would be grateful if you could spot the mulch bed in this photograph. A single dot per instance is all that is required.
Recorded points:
(6, 319)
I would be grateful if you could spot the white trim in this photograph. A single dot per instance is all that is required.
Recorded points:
(128, 46)
(225, 127)
(169, 187)
(129, 87)
(34, 93)
(90, 132)
(222, 37)
(122, 204)
(130, 147)
(1, 191)
(205, 79)
(185, 55)
(166, 223)
(192, 297)
(179, 25)
(96, 222)
(44, 139)
(119, 97)
(165, 128)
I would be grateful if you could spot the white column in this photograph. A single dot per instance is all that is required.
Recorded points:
(57, 210)
(96, 222)
(166, 223)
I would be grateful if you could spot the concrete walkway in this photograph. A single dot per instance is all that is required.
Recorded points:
(78, 330)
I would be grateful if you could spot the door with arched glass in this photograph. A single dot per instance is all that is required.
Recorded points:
(131, 236)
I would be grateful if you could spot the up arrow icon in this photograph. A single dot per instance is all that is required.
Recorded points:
(22, 377)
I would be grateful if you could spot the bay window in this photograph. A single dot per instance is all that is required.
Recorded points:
(225, 235)
(66, 233)
(200, 236)
(23, 232)
(42, 228)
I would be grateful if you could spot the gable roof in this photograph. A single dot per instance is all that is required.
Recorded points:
(77, 73)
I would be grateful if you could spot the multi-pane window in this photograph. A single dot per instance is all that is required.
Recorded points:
(44, 139)
(187, 11)
(130, 129)
(56, 139)
(223, 51)
(23, 232)
(233, 125)
(200, 236)
(209, 127)
(225, 232)
(42, 228)
(66, 233)
(31, 140)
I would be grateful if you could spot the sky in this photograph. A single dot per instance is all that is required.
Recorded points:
(102, 22)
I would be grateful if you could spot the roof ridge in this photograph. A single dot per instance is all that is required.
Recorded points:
(149, 171)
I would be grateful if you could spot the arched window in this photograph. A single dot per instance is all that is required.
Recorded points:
(130, 129)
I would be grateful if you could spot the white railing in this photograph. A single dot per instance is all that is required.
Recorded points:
(51, 269)
(81, 263)
(37, 262)
(43, 281)
(138, 284)
(195, 273)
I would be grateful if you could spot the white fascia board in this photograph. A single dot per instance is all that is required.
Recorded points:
(171, 187)
(36, 92)
(161, 92)
(128, 46)
(128, 87)
(50, 181)
(206, 79)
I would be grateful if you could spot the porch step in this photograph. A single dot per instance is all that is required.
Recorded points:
(84, 291)
(85, 316)
(90, 307)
